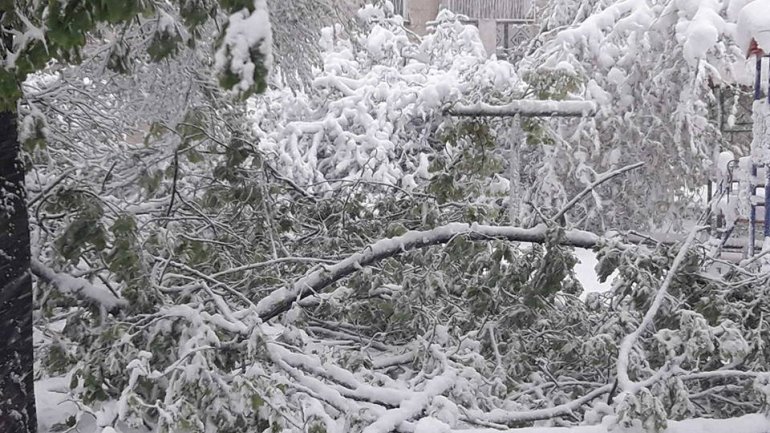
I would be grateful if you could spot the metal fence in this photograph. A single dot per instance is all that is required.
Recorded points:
(512, 39)
(516, 10)
(401, 7)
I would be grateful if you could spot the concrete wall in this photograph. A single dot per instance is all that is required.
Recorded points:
(420, 12)
(488, 34)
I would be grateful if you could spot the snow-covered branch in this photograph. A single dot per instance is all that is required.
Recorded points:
(509, 417)
(603, 178)
(408, 409)
(282, 299)
(624, 352)
(528, 108)
(76, 286)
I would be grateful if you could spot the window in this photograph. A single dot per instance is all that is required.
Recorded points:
(401, 7)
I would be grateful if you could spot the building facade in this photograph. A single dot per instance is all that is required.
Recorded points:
(504, 25)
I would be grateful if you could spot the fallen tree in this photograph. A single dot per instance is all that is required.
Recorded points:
(282, 299)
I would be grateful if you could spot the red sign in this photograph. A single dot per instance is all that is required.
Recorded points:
(754, 49)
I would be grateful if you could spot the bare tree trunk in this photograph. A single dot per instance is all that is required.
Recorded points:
(17, 397)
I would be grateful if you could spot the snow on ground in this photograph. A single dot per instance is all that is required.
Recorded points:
(754, 423)
(54, 408)
(53, 405)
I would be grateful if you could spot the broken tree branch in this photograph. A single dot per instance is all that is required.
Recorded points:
(603, 178)
(527, 108)
(282, 299)
(77, 286)
(624, 352)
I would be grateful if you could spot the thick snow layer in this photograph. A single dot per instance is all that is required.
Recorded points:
(728, 207)
(723, 162)
(372, 101)
(431, 425)
(51, 395)
(413, 406)
(591, 29)
(754, 423)
(53, 406)
(754, 22)
(246, 31)
(702, 31)
(743, 175)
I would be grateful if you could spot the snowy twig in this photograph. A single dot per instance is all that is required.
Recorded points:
(628, 342)
(48, 188)
(210, 278)
(510, 417)
(289, 182)
(603, 178)
(267, 263)
(723, 374)
(343, 380)
(311, 385)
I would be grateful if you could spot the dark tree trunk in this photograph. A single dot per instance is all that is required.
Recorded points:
(17, 397)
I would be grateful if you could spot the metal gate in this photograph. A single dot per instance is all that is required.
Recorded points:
(493, 9)
(513, 37)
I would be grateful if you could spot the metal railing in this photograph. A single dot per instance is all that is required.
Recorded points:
(514, 10)
(401, 7)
